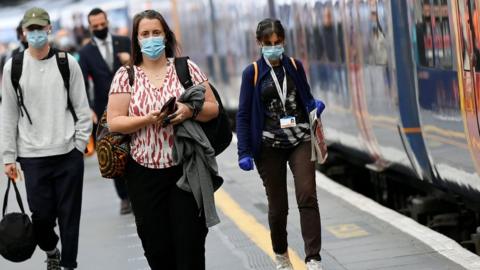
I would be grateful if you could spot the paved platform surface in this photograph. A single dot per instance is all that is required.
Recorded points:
(352, 237)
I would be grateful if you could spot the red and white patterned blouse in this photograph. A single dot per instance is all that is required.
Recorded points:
(152, 145)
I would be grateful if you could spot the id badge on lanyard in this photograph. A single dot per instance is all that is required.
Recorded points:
(287, 121)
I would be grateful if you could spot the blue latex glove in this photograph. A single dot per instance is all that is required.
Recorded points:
(320, 107)
(246, 163)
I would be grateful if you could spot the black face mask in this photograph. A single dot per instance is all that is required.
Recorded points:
(101, 34)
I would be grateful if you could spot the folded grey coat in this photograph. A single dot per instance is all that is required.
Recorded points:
(193, 150)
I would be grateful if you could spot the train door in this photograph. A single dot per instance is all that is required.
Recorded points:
(469, 71)
(354, 61)
(380, 90)
(437, 36)
(328, 74)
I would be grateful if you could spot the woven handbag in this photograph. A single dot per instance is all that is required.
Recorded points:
(113, 148)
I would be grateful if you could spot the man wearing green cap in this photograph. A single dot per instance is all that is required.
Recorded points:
(45, 127)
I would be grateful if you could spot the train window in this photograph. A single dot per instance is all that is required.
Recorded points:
(329, 32)
(433, 34)
(315, 43)
(351, 33)
(423, 30)
(476, 35)
(441, 26)
(469, 32)
(338, 20)
(377, 53)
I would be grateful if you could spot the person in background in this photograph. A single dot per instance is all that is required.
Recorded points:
(273, 130)
(63, 41)
(22, 40)
(99, 60)
(47, 139)
(79, 31)
(169, 222)
(23, 45)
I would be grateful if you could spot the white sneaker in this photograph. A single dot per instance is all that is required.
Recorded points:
(314, 265)
(283, 262)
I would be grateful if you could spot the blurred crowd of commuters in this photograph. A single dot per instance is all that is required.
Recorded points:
(65, 39)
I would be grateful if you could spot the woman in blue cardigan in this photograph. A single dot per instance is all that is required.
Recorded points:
(273, 129)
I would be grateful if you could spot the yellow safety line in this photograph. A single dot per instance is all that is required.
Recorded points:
(251, 227)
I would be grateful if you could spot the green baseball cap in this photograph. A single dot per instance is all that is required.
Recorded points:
(35, 16)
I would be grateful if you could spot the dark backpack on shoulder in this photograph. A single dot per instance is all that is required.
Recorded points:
(217, 130)
(113, 148)
(17, 240)
(17, 68)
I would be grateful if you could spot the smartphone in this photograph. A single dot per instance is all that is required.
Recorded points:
(169, 106)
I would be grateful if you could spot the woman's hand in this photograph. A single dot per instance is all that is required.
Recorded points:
(182, 113)
(155, 117)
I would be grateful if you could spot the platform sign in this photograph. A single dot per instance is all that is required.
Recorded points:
(344, 231)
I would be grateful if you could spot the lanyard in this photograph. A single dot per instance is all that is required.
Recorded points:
(282, 92)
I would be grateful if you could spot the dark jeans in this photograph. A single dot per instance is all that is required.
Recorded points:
(54, 190)
(169, 224)
(272, 167)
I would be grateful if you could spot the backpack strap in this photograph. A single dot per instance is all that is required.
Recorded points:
(293, 62)
(62, 63)
(17, 67)
(255, 76)
(131, 75)
(183, 72)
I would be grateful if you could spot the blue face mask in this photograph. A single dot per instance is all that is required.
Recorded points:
(153, 47)
(37, 38)
(273, 52)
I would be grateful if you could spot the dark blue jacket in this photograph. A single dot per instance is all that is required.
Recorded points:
(251, 111)
(93, 65)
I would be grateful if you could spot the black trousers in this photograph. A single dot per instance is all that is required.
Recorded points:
(272, 167)
(54, 191)
(169, 224)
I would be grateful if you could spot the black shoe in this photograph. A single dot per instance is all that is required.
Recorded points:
(125, 207)
(53, 261)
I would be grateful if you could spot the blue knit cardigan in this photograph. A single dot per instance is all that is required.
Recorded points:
(251, 111)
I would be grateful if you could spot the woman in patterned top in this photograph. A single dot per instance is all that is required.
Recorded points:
(273, 129)
(168, 222)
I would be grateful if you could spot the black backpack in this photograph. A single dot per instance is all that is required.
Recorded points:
(17, 240)
(17, 67)
(218, 130)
